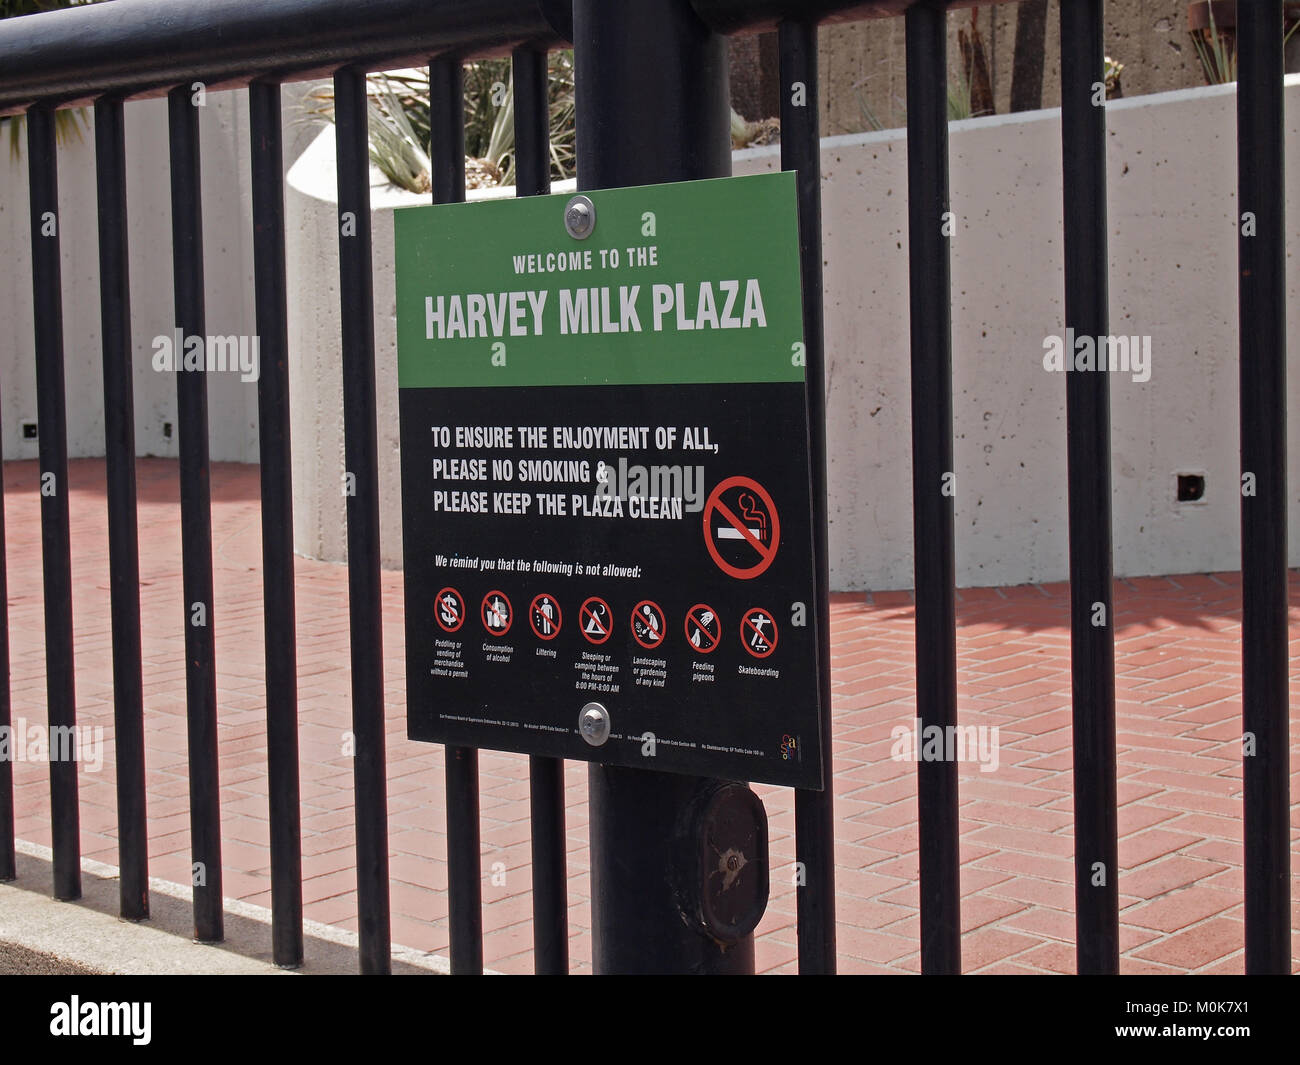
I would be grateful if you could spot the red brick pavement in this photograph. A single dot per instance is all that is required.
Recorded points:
(1178, 663)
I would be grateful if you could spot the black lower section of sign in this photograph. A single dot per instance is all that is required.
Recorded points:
(652, 554)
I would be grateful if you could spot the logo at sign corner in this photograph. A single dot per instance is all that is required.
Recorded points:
(758, 632)
(742, 529)
(595, 620)
(497, 613)
(703, 628)
(450, 610)
(648, 624)
(544, 616)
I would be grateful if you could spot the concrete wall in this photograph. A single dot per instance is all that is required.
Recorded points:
(1172, 205)
(864, 70)
(1173, 277)
(228, 279)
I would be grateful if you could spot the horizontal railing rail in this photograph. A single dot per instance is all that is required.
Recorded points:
(143, 47)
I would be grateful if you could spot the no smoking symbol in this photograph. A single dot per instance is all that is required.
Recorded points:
(648, 624)
(497, 613)
(544, 616)
(741, 528)
(450, 610)
(758, 632)
(703, 629)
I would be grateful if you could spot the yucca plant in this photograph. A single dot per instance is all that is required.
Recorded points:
(1216, 46)
(68, 125)
(1217, 52)
(399, 122)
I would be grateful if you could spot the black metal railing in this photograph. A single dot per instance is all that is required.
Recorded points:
(109, 54)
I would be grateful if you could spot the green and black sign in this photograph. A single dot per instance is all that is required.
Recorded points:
(605, 479)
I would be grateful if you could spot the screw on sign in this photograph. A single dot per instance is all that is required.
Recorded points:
(545, 617)
(595, 620)
(450, 611)
(703, 629)
(648, 624)
(741, 528)
(758, 631)
(497, 613)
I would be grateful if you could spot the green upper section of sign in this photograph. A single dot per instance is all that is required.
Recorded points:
(692, 283)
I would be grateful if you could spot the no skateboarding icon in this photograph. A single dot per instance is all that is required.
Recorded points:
(595, 620)
(450, 612)
(497, 613)
(741, 528)
(703, 629)
(648, 624)
(758, 632)
(544, 616)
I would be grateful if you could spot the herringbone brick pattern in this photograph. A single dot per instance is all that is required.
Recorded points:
(1178, 664)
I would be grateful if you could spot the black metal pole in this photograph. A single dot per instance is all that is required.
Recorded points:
(8, 855)
(813, 810)
(930, 225)
(1092, 643)
(196, 518)
(1262, 318)
(123, 540)
(545, 775)
(652, 107)
(55, 538)
(464, 869)
(277, 523)
(361, 488)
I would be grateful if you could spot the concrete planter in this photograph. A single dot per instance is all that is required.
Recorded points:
(1173, 255)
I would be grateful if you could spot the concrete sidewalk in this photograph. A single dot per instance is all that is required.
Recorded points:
(1178, 699)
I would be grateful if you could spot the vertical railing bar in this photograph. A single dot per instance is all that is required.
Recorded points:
(362, 490)
(55, 533)
(1092, 643)
(196, 518)
(123, 538)
(277, 522)
(545, 775)
(814, 810)
(464, 871)
(8, 854)
(933, 477)
(1262, 324)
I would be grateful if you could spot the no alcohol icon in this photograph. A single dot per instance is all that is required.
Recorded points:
(497, 613)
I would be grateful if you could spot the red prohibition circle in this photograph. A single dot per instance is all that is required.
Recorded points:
(555, 624)
(460, 610)
(766, 553)
(691, 616)
(510, 613)
(748, 628)
(638, 614)
(586, 616)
